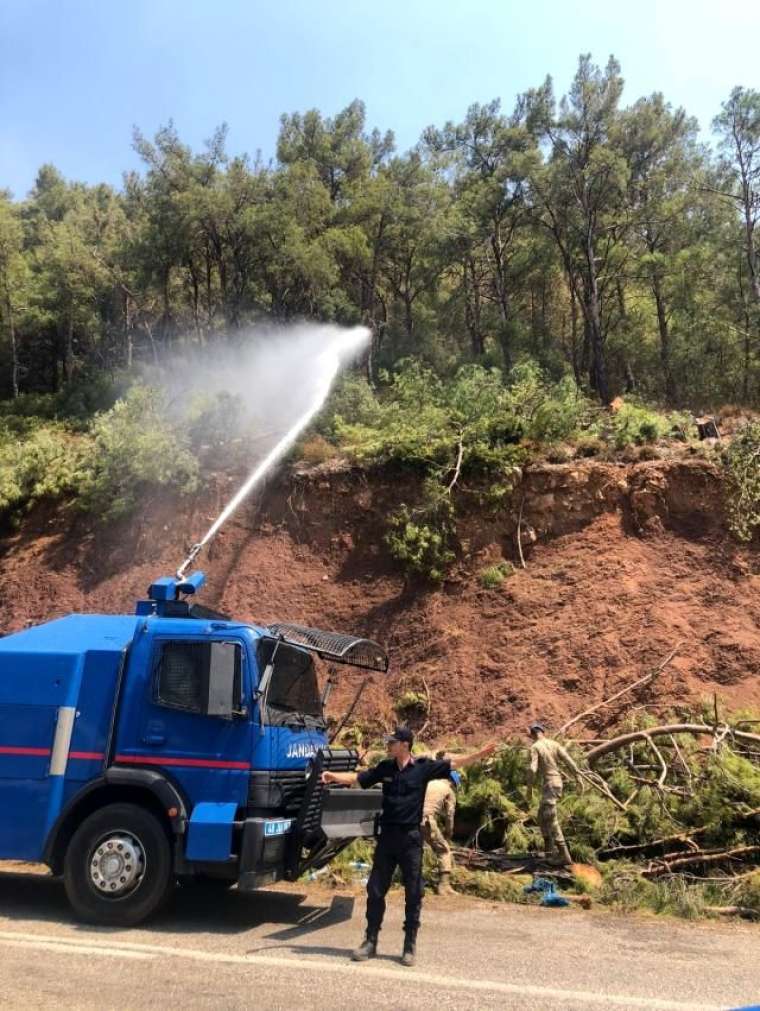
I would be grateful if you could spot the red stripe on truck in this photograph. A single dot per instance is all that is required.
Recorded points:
(7, 749)
(198, 763)
(93, 756)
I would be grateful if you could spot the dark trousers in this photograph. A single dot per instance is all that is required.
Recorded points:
(396, 847)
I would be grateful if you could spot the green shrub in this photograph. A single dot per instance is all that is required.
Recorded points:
(742, 470)
(634, 425)
(547, 412)
(494, 575)
(421, 540)
(316, 450)
(351, 402)
(410, 705)
(135, 448)
(75, 402)
(47, 462)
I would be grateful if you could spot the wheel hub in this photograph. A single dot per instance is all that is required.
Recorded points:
(117, 864)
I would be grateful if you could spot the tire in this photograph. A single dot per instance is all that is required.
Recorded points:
(117, 869)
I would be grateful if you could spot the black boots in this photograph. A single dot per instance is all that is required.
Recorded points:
(367, 949)
(409, 956)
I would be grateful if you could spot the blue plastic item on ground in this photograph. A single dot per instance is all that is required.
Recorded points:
(555, 900)
(551, 896)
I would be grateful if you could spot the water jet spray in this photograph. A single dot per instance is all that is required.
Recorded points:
(344, 346)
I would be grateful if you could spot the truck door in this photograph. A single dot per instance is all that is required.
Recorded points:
(187, 715)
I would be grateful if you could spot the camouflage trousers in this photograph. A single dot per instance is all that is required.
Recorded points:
(555, 846)
(437, 841)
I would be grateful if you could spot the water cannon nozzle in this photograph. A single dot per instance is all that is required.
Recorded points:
(194, 552)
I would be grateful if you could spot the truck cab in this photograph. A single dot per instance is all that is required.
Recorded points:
(172, 744)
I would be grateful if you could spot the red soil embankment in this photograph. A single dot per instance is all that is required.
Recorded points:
(627, 561)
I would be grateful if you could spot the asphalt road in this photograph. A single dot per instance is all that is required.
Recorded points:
(288, 948)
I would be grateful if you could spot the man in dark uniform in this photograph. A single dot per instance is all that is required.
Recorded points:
(404, 779)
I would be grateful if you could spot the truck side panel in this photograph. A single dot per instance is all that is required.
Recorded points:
(26, 742)
(89, 739)
(27, 746)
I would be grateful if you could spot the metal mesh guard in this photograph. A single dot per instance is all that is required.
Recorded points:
(333, 646)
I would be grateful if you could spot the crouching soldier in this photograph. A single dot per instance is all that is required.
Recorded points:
(438, 825)
(404, 779)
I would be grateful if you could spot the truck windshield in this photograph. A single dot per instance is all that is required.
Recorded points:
(294, 687)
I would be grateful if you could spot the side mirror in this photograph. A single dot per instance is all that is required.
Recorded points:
(224, 681)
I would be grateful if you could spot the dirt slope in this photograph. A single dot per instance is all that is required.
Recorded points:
(627, 561)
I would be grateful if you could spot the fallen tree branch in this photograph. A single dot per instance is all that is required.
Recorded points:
(684, 837)
(663, 765)
(698, 729)
(669, 866)
(682, 760)
(629, 688)
(600, 786)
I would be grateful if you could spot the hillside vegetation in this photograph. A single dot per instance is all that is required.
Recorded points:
(603, 240)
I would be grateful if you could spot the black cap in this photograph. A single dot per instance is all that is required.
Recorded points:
(400, 734)
(537, 727)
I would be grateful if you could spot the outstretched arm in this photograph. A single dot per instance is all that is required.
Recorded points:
(460, 760)
(568, 760)
(340, 778)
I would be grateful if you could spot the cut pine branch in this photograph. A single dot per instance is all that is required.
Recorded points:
(673, 863)
(697, 729)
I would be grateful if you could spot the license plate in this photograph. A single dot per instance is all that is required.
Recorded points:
(277, 827)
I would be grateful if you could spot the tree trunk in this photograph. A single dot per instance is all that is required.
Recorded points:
(128, 331)
(502, 297)
(196, 300)
(167, 308)
(752, 258)
(662, 323)
(577, 363)
(68, 351)
(472, 308)
(12, 336)
(591, 309)
(408, 319)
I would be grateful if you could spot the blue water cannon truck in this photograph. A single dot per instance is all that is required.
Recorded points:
(174, 744)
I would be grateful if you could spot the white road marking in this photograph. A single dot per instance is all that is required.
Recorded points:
(128, 949)
(80, 949)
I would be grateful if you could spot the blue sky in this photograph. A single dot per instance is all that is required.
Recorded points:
(76, 75)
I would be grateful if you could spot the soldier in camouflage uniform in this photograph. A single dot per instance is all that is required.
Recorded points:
(440, 804)
(544, 753)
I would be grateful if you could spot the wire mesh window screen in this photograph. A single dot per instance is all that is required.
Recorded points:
(347, 649)
(183, 672)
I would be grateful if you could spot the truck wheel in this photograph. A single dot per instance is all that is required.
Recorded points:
(118, 866)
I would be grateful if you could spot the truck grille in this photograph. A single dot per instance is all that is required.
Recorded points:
(336, 760)
(282, 791)
(278, 789)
